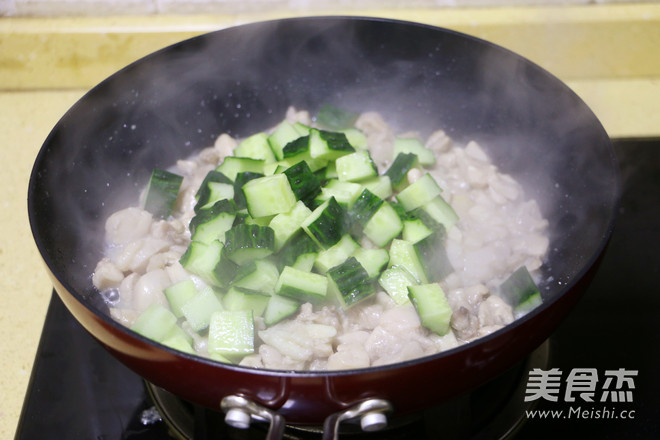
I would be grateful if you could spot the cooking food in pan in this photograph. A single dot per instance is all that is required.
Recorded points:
(302, 248)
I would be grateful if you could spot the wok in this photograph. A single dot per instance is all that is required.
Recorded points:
(241, 80)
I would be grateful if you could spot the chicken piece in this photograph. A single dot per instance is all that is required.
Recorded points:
(348, 356)
(494, 311)
(149, 290)
(106, 275)
(127, 225)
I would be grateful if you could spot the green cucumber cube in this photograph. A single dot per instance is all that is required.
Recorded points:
(232, 165)
(440, 211)
(255, 147)
(395, 281)
(402, 253)
(199, 308)
(414, 146)
(380, 186)
(415, 230)
(301, 286)
(259, 276)
(373, 260)
(177, 295)
(269, 195)
(155, 322)
(284, 133)
(328, 145)
(286, 224)
(231, 333)
(239, 299)
(432, 307)
(179, 342)
(384, 226)
(355, 167)
(336, 254)
(278, 308)
(326, 225)
(419, 193)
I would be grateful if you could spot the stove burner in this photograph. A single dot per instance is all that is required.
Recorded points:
(494, 411)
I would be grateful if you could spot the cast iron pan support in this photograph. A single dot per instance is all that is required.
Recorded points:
(240, 411)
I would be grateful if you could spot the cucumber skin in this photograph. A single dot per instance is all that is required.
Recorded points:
(351, 281)
(329, 225)
(245, 239)
(162, 192)
(432, 307)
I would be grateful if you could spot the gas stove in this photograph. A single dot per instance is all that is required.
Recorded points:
(79, 391)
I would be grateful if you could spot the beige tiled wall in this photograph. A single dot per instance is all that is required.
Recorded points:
(137, 7)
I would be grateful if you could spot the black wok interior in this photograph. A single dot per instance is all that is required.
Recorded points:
(241, 80)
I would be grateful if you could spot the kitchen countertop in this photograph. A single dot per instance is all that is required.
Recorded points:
(606, 53)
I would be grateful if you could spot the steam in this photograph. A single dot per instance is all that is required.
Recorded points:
(241, 80)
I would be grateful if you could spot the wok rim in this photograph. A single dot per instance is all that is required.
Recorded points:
(534, 314)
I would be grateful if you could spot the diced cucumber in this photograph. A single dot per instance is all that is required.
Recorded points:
(356, 138)
(364, 207)
(305, 262)
(419, 193)
(212, 223)
(241, 179)
(432, 307)
(328, 145)
(245, 243)
(179, 333)
(259, 221)
(179, 342)
(198, 309)
(402, 253)
(304, 183)
(162, 192)
(296, 147)
(212, 176)
(284, 133)
(440, 211)
(301, 243)
(278, 308)
(255, 147)
(269, 195)
(177, 294)
(335, 118)
(326, 225)
(301, 286)
(398, 171)
(414, 230)
(259, 276)
(520, 291)
(380, 186)
(344, 193)
(414, 146)
(239, 299)
(395, 281)
(214, 192)
(330, 170)
(209, 262)
(355, 167)
(349, 283)
(302, 129)
(155, 322)
(285, 225)
(336, 254)
(433, 256)
(373, 260)
(232, 165)
(231, 334)
(384, 226)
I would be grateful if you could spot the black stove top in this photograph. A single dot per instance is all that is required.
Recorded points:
(78, 391)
